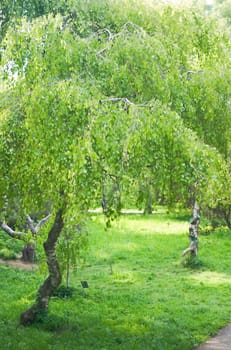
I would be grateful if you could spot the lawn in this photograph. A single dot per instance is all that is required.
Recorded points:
(140, 296)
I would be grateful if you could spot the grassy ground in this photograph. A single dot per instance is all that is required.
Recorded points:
(140, 296)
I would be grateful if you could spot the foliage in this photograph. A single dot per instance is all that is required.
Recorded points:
(11, 11)
(7, 254)
(102, 100)
(68, 73)
(71, 250)
(9, 249)
(222, 8)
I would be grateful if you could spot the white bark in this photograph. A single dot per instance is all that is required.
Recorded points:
(35, 228)
(10, 232)
(21, 235)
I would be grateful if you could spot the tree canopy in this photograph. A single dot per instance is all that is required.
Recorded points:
(169, 62)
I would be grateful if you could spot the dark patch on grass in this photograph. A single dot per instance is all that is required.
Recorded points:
(64, 292)
(193, 262)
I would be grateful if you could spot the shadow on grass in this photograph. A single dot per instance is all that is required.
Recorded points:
(91, 332)
(194, 263)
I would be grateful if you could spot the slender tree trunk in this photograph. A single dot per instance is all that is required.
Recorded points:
(193, 232)
(227, 216)
(104, 199)
(53, 280)
(68, 262)
(148, 202)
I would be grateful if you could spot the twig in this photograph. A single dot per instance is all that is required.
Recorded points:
(100, 52)
(190, 72)
(117, 99)
(124, 100)
(105, 30)
(132, 25)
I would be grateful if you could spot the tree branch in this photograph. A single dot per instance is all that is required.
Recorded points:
(132, 25)
(10, 232)
(99, 53)
(35, 228)
(117, 99)
(125, 100)
(105, 30)
(190, 72)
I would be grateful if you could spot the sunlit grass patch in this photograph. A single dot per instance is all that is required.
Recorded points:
(151, 224)
(139, 294)
(211, 278)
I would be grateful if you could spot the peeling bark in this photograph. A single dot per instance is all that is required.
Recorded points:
(193, 232)
(40, 308)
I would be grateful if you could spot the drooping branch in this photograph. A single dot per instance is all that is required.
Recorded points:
(110, 37)
(131, 27)
(125, 100)
(107, 31)
(190, 72)
(100, 52)
(134, 28)
(11, 232)
(117, 99)
(35, 228)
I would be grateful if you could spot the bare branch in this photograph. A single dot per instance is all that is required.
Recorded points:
(10, 232)
(100, 52)
(105, 30)
(125, 100)
(190, 72)
(31, 224)
(117, 99)
(42, 221)
(21, 235)
(132, 25)
(35, 228)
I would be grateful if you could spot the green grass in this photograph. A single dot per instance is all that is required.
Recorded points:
(140, 296)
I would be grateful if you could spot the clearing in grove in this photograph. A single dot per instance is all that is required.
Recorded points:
(139, 295)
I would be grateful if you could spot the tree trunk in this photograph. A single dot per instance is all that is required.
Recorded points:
(40, 308)
(28, 253)
(193, 232)
(104, 199)
(148, 202)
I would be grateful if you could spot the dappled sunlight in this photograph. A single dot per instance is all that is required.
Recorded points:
(123, 277)
(144, 226)
(211, 278)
